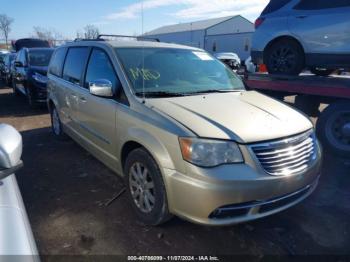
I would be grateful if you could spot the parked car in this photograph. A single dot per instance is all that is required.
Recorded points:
(16, 236)
(230, 59)
(2, 65)
(8, 62)
(30, 43)
(181, 129)
(292, 35)
(30, 74)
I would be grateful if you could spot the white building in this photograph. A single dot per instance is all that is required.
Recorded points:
(226, 34)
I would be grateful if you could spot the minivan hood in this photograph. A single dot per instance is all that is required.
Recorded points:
(244, 117)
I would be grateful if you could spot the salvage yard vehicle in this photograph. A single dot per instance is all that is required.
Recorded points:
(292, 35)
(30, 43)
(182, 130)
(230, 59)
(8, 59)
(2, 65)
(30, 74)
(16, 238)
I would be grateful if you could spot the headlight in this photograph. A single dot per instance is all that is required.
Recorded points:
(210, 153)
(40, 78)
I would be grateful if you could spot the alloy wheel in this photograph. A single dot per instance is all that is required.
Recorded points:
(142, 187)
(283, 59)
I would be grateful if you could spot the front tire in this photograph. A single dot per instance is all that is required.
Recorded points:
(285, 57)
(333, 128)
(145, 188)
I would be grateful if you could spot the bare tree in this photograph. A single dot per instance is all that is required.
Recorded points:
(49, 34)
(5, 26)
(79, 34)
(91, 32)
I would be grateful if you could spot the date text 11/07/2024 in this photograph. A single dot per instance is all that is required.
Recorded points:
(173, 258)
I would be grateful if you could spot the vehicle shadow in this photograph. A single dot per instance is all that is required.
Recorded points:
(17, 106)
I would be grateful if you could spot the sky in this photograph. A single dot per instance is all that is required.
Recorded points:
(118, 16)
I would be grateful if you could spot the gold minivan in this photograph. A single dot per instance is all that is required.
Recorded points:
(182, 130)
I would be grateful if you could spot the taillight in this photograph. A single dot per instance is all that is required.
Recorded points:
(258, 22)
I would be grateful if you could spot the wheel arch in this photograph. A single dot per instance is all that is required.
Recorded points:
(283, 37)
(139, 138)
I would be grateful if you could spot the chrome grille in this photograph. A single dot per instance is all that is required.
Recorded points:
(288, 156)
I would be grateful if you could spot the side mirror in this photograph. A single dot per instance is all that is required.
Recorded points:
(101, 87)
(10, 151)
(18, 64)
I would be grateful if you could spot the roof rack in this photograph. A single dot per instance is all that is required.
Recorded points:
(138, 38)
(87, 39)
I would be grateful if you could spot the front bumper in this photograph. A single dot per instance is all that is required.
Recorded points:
(233, 194)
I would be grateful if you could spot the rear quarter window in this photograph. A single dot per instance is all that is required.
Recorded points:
(275, 5)
(56, 64)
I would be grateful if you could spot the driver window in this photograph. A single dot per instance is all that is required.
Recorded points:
(100, 67)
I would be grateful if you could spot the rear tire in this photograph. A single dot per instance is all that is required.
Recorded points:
(285, 57)
(321, 71)
(333, 128)
(56, 125)
(145, 188)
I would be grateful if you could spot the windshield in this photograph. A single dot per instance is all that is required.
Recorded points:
(176, 71)
(40, 57)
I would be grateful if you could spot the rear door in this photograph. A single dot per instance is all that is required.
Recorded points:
(323, 26)
(97, 115)
(56, 85)
(72, 75)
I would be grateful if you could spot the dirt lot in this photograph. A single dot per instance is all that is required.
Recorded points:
(65, 191)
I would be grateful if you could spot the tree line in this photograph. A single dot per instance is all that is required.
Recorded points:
(49, 34)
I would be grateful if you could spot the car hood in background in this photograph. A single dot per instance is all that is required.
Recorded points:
(245, 117)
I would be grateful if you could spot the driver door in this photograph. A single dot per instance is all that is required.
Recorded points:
(97, 115)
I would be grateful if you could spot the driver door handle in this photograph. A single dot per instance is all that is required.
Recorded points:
(301, 16)
(83, 99)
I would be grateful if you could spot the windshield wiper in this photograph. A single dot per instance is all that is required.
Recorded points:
(214, 91)
(159, 94)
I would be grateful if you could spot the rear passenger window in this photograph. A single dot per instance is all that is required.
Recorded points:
(321, 4)
(275, 5)
(57, 61)
(100, 67)
(75, 64)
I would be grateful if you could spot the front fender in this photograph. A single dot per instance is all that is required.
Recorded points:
(153, 145)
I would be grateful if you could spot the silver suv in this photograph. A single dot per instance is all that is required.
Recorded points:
(294, 34)
(181, 129)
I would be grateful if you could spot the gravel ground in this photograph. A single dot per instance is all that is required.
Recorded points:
(65, 191)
